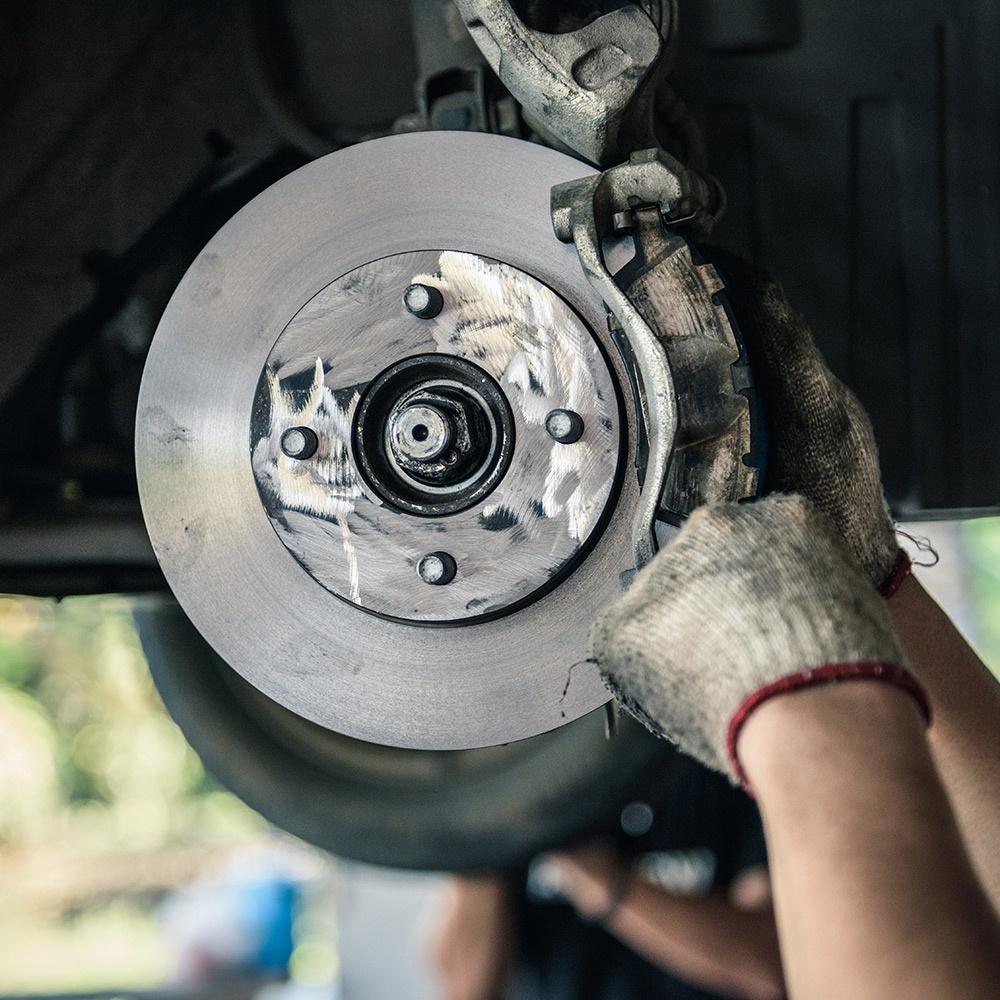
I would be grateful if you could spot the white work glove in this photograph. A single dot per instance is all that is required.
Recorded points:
(748, 601)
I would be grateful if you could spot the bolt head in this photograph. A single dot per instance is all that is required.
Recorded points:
(423, 301)
(437, 568)
(299, 442)
(564, 426)
(420, 433)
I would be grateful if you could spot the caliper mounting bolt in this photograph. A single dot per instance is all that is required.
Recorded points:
(423, 301)
(299, 442)
(564, 426)
(437, 568)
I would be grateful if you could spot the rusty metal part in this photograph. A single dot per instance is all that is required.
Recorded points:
(714, 451)
(593, 88)
(673, 332)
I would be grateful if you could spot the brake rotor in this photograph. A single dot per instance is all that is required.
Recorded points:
(381, 445)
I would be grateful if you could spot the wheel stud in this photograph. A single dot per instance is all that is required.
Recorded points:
(423, 301)
(299, 442)
(564, 426)
(437, 568)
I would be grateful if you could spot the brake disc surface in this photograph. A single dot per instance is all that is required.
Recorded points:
(397, 520)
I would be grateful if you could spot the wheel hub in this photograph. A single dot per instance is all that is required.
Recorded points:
(448, 449)
(433, 435)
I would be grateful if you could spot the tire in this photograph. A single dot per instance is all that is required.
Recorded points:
(457, 810)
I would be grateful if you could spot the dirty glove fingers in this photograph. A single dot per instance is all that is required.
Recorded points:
(748, 601)
(820, 439)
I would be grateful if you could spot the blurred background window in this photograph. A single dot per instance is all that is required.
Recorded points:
(123, 866)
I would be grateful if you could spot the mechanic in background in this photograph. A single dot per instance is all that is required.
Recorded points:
(785, 644)
(696, 880)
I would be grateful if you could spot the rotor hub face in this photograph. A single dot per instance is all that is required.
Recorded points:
(443, 451)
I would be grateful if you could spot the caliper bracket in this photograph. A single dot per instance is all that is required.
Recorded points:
(650, 191)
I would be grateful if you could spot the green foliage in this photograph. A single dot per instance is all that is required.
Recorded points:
(17, 667)
(84, 739)
(981, 540)
(77, 953)
(95, 781)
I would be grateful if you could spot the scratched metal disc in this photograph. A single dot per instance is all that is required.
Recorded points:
(314, 595)
(517, 520)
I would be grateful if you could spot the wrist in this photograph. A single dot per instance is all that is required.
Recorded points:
(829, 730)
(901, 570)
(889, 675)
(616, 889)
(593, 880)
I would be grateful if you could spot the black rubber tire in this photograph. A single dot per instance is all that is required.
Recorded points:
(457, 810)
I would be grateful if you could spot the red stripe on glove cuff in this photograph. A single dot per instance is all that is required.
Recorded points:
(831, 673)
(899, 573)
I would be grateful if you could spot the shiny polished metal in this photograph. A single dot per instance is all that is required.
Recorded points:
(486, 679)
(412, 453)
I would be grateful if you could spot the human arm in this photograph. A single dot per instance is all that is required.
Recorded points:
(726, 642)
(821, 444)
(472, 943)
(705, 939)
(875, 896)
(965, 731)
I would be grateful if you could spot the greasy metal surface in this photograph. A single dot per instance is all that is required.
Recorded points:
(586, 212)
(511, 544)
(583, 212)
(592, 88)
(326, 660)
(715, 454)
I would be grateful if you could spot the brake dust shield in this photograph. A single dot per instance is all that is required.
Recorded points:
(382, 445)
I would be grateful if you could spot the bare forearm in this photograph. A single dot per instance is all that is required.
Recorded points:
(472, 944)
(874, 894)
(965, 731)
(703, 939)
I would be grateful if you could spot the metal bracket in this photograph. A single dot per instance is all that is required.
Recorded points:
(593, 88)
(587, 212)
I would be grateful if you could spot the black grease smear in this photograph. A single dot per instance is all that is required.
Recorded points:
(500, 520)
(569, 676)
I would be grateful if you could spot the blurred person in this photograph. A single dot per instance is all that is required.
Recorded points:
(681, 909)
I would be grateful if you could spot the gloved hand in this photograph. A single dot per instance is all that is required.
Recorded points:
(748, 601)
(820, 439)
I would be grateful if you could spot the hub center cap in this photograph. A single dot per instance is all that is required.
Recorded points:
(433, 434)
